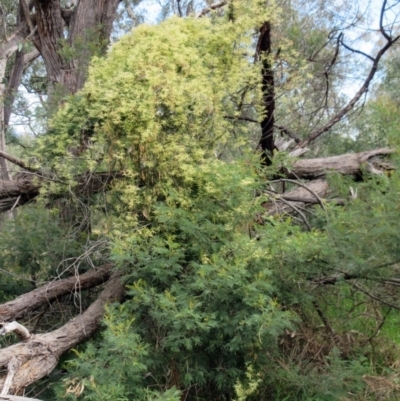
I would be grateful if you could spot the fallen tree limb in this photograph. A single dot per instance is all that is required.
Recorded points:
(15, 327)
(348, 164)
(31, 301)
(39, 355)
(16, 193)
(22, 190)
(319, 187)
(212, 7)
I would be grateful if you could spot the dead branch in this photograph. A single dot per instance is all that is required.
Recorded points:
(214, 6)
(348, 164)
(17, 162)
(39, 355)
(23, 189)
(300, 184)
(12, 368)
(390, 41)
(26, 303)
(293, 206)
(276, 207)
(14, 327)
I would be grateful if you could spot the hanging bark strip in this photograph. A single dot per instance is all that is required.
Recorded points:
(263, 53)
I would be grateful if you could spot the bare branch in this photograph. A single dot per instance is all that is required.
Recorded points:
(380, 300)
(363, 90)
(14, 327)
(25, 10)
(16, 398)
(17, 162)
(31, 301)
(355, 50)
(307, 188)
(214, 6)
(129, 10)
(298, 211)
(288, 132)
(299, 195)
(240, 118)
(381, 28)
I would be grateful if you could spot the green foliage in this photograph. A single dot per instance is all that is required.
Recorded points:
(33, 245)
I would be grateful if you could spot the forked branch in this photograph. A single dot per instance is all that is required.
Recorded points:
(390, 41)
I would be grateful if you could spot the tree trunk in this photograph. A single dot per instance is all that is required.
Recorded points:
(268, 91)
(90, 29)
(67, 59)
(8, 46)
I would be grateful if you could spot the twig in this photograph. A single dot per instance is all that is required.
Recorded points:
(303, 186)
(379, 327)
(16, 203)
(374, 297)
(251, 120)
(363, 89)
(296, 209)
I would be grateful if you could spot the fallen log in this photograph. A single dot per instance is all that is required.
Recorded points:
(26, 303)
(347, 164)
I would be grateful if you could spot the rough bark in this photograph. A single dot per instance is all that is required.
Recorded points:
(26, 303)
(16, 193)
(91, 21)
(50, 26)
(39, 355)
(7, 48)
